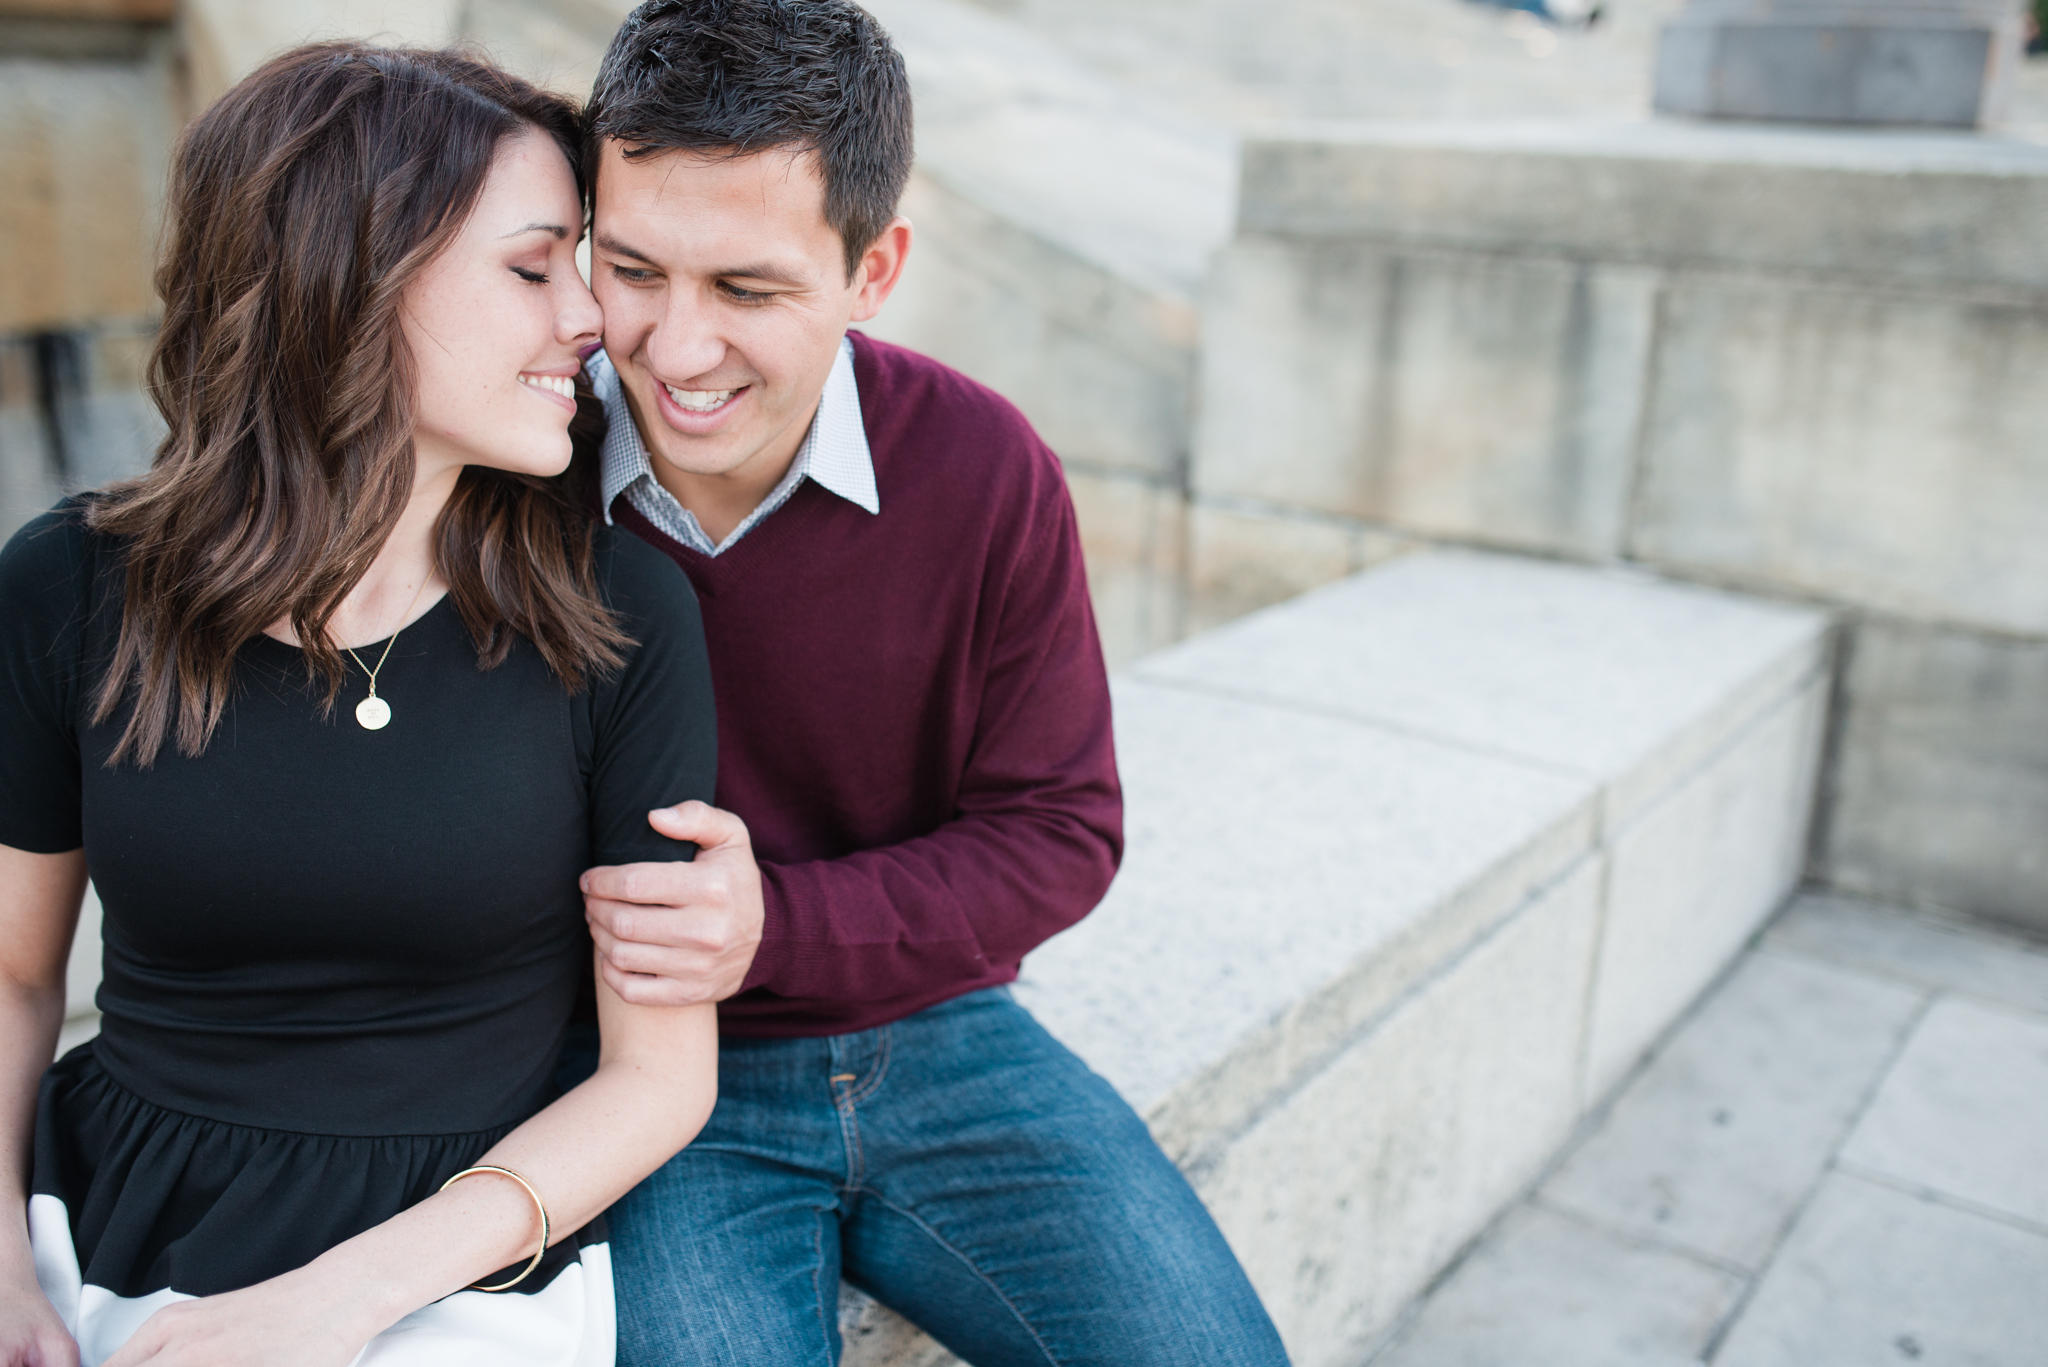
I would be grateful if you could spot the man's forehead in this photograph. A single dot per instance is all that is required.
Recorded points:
(722, 213)
(790, 167)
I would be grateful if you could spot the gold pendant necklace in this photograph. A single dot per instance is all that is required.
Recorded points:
(373, 713)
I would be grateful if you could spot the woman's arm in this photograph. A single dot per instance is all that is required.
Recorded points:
(39, 900)
(655, 1083)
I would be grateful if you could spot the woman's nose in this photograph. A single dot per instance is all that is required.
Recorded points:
(580, 319)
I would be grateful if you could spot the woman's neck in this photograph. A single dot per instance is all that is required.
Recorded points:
(402, 583)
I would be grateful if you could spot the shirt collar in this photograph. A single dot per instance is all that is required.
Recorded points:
(835, 452)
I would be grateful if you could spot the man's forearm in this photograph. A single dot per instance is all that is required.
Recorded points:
(887, 923)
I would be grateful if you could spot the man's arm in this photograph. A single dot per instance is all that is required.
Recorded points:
(1031, 849)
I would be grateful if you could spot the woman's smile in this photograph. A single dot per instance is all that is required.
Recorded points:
(559, 388)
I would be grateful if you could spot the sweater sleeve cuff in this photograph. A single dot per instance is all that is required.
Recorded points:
(774, 952)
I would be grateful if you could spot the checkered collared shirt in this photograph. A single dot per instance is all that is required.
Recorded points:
(835, 454)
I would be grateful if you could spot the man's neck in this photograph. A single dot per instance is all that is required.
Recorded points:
(721, 502)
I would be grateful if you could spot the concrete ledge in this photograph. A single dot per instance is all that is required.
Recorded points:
(1930, 207)
(1418, 865)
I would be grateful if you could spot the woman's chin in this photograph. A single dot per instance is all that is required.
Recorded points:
(541, 459)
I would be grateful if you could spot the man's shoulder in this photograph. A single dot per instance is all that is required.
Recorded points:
(910, 400)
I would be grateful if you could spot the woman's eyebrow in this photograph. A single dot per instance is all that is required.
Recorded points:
(556, 229)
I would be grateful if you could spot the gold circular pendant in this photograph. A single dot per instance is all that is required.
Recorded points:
(373, 714)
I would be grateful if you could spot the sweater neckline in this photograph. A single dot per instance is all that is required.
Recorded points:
(714, 573)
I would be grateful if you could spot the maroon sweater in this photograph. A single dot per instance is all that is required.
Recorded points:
(913, 718)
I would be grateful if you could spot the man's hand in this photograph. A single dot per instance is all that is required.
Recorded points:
(681, 933)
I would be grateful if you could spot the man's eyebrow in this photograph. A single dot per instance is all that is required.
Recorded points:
(554, 229)
(762, 270)
(607, 243)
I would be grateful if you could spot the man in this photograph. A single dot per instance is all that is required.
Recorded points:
(916, 779)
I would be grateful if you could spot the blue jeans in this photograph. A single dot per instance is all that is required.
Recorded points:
(960, 1166)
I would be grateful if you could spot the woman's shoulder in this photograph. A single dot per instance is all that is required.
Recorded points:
(667, 675)
(51, 561)
(638, 581)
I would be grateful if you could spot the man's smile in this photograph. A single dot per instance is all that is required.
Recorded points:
(699, 412)
(700, 400)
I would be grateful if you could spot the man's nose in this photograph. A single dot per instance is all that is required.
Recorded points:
(686, 341)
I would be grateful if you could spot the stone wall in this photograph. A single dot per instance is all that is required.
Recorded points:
(1801, 363)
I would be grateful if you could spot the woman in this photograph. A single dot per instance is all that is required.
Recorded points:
(337, 702)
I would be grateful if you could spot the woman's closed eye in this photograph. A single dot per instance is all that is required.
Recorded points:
(530, 277)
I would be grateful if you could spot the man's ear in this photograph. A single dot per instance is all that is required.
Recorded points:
(881, 266)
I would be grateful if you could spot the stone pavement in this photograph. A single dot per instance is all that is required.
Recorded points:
(1840, 1159)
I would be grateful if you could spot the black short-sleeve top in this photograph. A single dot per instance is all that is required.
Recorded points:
(316, 927)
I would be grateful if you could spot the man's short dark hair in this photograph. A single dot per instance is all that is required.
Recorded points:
(735, 77)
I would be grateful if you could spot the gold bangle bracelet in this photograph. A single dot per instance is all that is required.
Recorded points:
(538, 1205)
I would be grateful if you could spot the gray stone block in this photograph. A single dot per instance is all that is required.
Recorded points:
(1348, 1195)
(1607, 674)
(1692, 876)
(1964, 1112)
(1941, 796)
(1873, 1275)
(1545, 1290)
(1376, 360)
(1931, 66)
(1897, 207)
(1872, 448)
(1714, 1147)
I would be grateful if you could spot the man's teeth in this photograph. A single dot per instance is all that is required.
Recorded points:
(565, 385)
(699, 400)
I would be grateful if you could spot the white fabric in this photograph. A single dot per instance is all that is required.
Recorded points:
(572, 1322)
(835, 454)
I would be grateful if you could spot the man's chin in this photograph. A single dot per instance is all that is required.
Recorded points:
(697, 459)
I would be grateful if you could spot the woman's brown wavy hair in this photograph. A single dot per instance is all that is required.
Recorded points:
(301, 205)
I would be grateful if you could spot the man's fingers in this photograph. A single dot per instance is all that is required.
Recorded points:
(709, 827)
(639, 956)
(640, 989)
(618, 922)
(671, 884)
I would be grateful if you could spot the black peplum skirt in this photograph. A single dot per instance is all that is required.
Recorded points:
(134, 1206)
